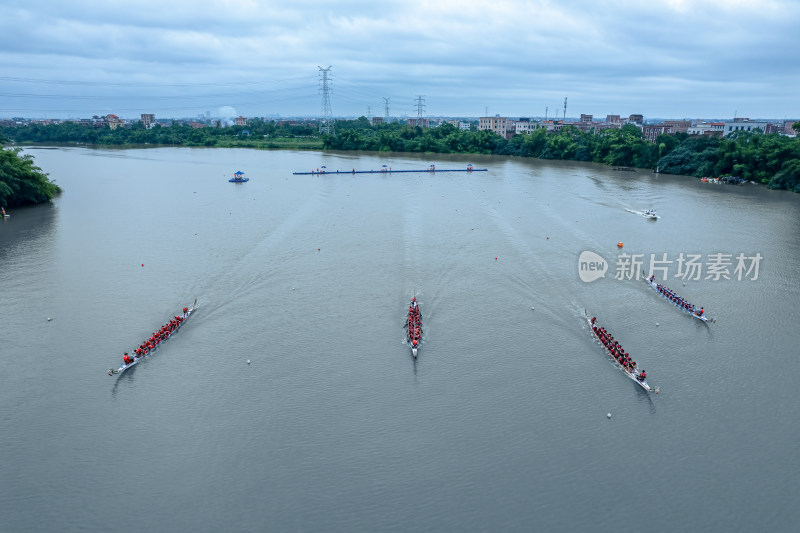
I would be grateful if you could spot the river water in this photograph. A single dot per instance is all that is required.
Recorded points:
(500, 425)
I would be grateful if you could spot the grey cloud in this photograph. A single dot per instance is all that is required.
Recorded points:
(665, 58)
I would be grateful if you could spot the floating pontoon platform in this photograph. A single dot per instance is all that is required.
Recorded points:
(384, 171)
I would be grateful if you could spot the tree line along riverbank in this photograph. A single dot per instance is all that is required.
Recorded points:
(21, 181)
(773, 160)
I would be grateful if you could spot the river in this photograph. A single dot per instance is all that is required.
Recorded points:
(500, 425)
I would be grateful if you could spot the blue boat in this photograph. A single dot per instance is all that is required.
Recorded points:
(238, 177)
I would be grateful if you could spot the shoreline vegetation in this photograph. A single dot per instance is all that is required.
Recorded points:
(21, 181)
(773, 160)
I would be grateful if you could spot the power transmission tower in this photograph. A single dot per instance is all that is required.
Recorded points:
(565, 108)
(545, 112)
(369, 112)
(326, 124)
(420, 105)
(386, 109)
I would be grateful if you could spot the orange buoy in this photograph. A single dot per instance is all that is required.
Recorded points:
(619, 244)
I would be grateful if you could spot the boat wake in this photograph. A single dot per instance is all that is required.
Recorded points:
(648, 213)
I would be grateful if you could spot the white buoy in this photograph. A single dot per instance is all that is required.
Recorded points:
(248, 361)
(532, 308)
(608, 415)
(656, 323)
(49, 319)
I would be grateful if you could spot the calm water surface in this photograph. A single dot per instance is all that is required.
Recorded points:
(499, 426)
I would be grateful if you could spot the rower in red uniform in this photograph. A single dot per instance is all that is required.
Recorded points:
(642, 375)
(126, 359)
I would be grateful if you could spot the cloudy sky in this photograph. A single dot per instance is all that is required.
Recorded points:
(185, 58)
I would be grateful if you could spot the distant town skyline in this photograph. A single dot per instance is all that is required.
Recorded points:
(662, 59)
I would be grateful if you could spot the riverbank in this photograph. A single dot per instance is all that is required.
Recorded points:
(773, 160)
(280, 143)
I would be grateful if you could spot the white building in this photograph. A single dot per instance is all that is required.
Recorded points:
(743, 125)
(706, 128)
(526, 126)
(462, 125)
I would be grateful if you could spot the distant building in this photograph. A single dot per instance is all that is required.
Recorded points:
(636, 119)
(525, 126)
(678, 126)
(585, 124)
(113, 121)
(376, 120)
(499, 125)
(788, 127)
(706, 128)
(744, 125)
(462, 125)
(651, 132)
(421, 122)
(148, 120)
(612, 121)
(241, 121)
(553, 125)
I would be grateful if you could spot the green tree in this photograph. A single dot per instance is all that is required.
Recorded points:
(22, 182)
(788, 177)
